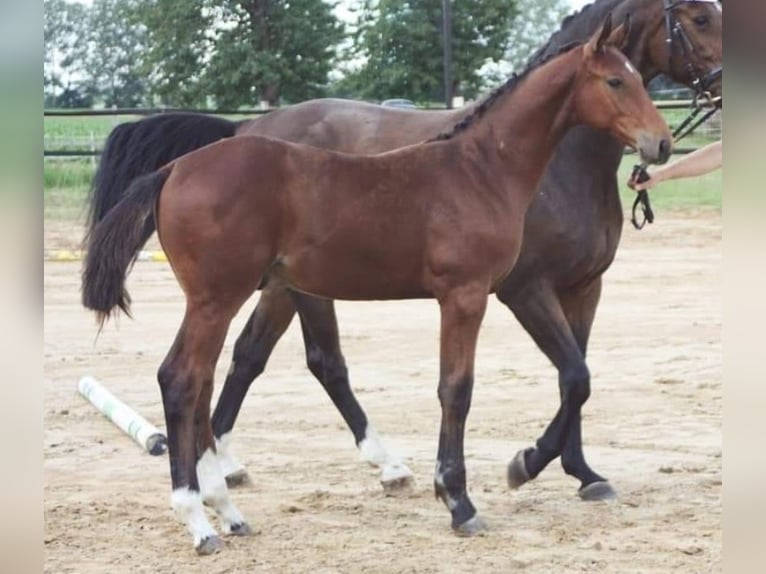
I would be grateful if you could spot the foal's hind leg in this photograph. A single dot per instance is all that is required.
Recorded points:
(266, 325)
(185, 379)
(212, 482)
(326, 362)
(540, 312)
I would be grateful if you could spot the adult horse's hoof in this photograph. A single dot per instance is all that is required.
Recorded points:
(599, 490)
(241, 529)
(396, 478)
(210, 545)
(517, 471)
(238, 479)
(472, 527)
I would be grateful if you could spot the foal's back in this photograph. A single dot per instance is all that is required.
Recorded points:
(370, 222)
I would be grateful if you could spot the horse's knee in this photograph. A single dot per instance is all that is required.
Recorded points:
(575, 384)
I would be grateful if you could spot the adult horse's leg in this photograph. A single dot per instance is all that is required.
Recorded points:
(580, 310)
(540, 312)
(326, 362)
(268, 322)
(462, 311)
(186, 378)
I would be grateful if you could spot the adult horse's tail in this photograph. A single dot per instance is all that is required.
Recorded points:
(114, 243)
(137, 148)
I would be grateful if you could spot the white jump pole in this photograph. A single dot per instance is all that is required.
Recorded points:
(129, 421)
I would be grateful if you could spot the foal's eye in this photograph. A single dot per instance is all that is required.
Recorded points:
(614, 82)
(701, 21)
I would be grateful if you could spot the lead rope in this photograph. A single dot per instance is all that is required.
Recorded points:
(640, 175)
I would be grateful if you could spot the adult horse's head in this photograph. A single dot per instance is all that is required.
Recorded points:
(687, 43)
(611, 96)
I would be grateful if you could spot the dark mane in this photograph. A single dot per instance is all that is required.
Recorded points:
(575, 29)
(495, 95)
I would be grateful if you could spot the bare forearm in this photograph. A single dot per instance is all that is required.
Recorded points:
(699, 162)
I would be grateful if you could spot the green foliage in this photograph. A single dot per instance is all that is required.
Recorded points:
(117, 44)
(401, 41)
(65, 25)
(177, 43)
(541, 18)
(272, 50)
(537, 21)
(239, 51)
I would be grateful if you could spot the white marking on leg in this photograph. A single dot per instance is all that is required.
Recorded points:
(227, 461)
(372, 451)
(187, 505)
(439, 480)
(215, 493)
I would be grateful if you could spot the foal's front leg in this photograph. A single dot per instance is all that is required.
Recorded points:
(462, 311)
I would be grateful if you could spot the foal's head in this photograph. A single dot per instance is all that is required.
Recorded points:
(610, 95)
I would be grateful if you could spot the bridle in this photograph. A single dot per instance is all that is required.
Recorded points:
(676, 39)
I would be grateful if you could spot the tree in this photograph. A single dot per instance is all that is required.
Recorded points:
(116, 45)
(64, 27)
(401, 44)
(177, 47)
(272, 50)
(539, 20)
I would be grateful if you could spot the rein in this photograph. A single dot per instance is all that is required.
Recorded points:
(702, 99)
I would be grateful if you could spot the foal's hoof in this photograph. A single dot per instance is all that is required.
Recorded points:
(238, 479)
(599, 490)
(241, 529)
(517, 471)
(472, 527)
(396, 478)
(209, 545)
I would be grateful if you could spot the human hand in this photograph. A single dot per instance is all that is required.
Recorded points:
(635, 185)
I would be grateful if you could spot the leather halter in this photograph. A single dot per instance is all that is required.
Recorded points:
(676, 38)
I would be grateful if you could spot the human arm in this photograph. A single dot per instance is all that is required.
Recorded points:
(699, 162)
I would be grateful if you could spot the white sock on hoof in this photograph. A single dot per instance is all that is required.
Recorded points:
(187, 505)
(371, 448)
(214, 491)
(372, 451)
(227, 461)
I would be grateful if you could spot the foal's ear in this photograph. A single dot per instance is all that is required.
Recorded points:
(599, 39)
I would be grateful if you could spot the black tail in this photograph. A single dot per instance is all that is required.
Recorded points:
(114, 243)
(137, 148)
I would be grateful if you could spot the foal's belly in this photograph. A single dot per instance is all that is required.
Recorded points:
(351, 276)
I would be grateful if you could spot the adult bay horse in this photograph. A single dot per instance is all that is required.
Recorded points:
(571, 233)
(442, 219)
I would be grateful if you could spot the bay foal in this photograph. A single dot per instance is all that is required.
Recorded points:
(442, 219)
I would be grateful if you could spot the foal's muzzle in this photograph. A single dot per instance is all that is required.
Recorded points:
(654, 149)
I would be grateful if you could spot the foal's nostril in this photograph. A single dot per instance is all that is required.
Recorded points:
(665, 148)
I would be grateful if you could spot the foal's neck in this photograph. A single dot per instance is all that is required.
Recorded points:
(523, 126)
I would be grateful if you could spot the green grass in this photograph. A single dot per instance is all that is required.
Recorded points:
(79, 132)
(700, 193)
(65, 188)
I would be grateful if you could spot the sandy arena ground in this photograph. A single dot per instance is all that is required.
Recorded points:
(652, 425)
